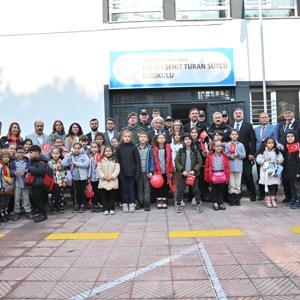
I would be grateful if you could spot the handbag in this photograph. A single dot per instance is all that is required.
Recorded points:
(190, 180)
(69, 178)
(89, 191)
(218, 177)
(29, 179)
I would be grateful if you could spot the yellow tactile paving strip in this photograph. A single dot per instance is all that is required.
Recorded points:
(83, 236)
(295, 229)
(206, 233)
(2, 235)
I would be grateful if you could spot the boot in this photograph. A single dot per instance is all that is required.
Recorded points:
(238, 199)
(231, 199)
(2, 216)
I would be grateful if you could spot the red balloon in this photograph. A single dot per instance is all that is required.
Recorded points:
(157, 181)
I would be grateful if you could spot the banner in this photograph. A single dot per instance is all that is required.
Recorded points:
(172, 68)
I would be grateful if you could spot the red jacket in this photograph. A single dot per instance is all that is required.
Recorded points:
(169, 162)
(208, 171)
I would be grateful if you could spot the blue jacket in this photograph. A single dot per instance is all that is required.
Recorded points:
(149, 159)
(236, 165)
(81, 169)
(271, 131)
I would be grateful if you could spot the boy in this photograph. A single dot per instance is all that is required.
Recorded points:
(147, 166)
(20, 166)
(188, 162)
(37, 167)
(83, 140)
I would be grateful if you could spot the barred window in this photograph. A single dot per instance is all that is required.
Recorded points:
(135, 10)
(271, 8)
(202, 9)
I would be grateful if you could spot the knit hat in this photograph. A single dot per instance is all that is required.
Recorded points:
(132, 114)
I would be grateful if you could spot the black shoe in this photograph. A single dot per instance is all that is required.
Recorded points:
(40, 218)
(53, 210)
(261, 198)
(215, 206)
(147, 207)
(222, 206)
(16, 217)
(81, 208)
(231, 199)
(29, 215)
(253, 198)
(138, 206)
(285, 200)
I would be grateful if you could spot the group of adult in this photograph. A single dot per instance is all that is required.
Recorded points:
(154, 124)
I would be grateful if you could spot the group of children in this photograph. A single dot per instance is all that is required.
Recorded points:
(143, 172)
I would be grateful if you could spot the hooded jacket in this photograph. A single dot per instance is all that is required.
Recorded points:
(37, 167)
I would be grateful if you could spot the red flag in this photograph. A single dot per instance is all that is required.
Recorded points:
(293, 147)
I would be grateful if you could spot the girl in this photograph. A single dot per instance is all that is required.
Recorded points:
(75, 131)
(12, 148)
(269, 157)
(163, 165)
(57, 195)
(58, 130)
(130, 164)
(175, 146)
(114, 143)
(108, 170)
(95, 158)
(236, 153)
(217, 173)
(100, 139)
(6, 185)
(177, 127)
(79, 163)
(27, 145)
(292, 169)
(13, 135)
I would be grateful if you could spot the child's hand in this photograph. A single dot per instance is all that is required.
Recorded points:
(184, 173)
(149, 175)
(74, 162)
(276, 162)
(298, 175)
(191, 173)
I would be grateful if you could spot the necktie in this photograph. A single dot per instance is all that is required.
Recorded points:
(237, 127)
(287, 127)
(263, 133)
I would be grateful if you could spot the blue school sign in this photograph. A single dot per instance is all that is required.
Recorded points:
(172, 68)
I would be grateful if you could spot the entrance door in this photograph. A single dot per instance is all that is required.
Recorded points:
(181, 112)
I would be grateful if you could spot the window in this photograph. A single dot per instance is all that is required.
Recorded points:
(135, 10)
(202, 9)
(270, 8)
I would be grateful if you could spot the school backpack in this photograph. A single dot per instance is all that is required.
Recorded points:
(48, 179)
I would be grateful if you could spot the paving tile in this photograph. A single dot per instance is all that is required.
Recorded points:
(276, 286)
(262, 271)
(6, 287)
(47, 274)
(15, 273)
(230, 272)
(90, 262)
(296, 281)
(4, 261)
(155, 250)
(130, 261)
(32, 290)
(238, 287)
(121, 291)
(32, 262)
(158, 274)
(153, 289)
(109, 274)
(58, 262)
(222, 259)
(12, 251)
(81, 274)
(290, 269)
(67, 252)
(150, 259)
(187, 260)
(193, 288)
(43, 251)
(251, 258)
(189, 273)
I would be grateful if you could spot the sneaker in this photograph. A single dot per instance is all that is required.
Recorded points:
(39, 218)
(147, 207)
(222, 207)
(178, 209)
(296, 205)
(193, 203)
(164, 203)
(61, 209)
(138, 206)
(291, 203)
(131, 207)
(158, 203)
(81, 208)
(112, 212)
(53, 210)
(215, 206)
(199, 208)
(182, 203)
(106, 212)
(16, 217)
(95, 208)
(125, 208)
(29, 215)
(274, 204)
(75, 209)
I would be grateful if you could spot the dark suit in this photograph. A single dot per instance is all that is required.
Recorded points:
(247, 138)
(200, 126)
(152, 133)
(282, 128)
(89, 136)
(106, 136)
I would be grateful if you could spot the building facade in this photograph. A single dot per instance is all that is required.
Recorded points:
(57, 58)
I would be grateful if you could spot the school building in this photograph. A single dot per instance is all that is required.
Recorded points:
(78, 59)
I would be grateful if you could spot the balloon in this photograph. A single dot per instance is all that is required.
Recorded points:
(157, 181)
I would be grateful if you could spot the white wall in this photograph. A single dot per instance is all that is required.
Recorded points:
(61, 75)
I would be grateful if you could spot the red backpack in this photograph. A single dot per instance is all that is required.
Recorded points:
(48, 179)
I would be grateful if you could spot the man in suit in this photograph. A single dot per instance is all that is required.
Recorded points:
(290, 123)
(110, 131)
(194, 121)
(38, 137)
(94, 125)
(264, 130)
(157, 125)
(247, 138)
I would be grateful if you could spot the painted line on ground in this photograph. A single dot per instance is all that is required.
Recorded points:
(295, 229)
(2, 235)
(132, 275)
(206, 233)
(211, 273)
(83, 236)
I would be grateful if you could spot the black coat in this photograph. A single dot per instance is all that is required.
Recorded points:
(247, 138)
(129, 159)
(291, 165)
(281, 133)
(201, 126)
(37, 167)
(223, 128)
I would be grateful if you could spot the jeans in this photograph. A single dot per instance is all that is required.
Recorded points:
(25, 199)
(181, 188)
(144, 189)
(235, 183)
(80, 196)
(128, 190)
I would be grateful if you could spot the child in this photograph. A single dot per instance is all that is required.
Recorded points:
(57, 194)
(108, 170)
(292, 169)
(130, 165)
(217, 173)
(95, 158)
(20, 166)
(147, 167)
(83, 140)
(175, 146)
(188, 162)
(236, 153)
(58, 143)
(6, 185)
(269, 157)
(114, 143)
(79, 163)
(37, 168)
(162, 165)
(27, 145)
(12, 148)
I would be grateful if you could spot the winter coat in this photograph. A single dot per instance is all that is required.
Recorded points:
(149, 159)
(80, 170)
(7, 180)
(236, 164)
(108, 168)
(196, 160)
(23, 165)
(175, 148)
(129, 159)
(208, 171)
(291, 165)
(37, 167)
(169, 162)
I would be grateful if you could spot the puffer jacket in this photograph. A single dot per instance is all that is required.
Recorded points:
(180, 160)
(108, 168)
(37, 167)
